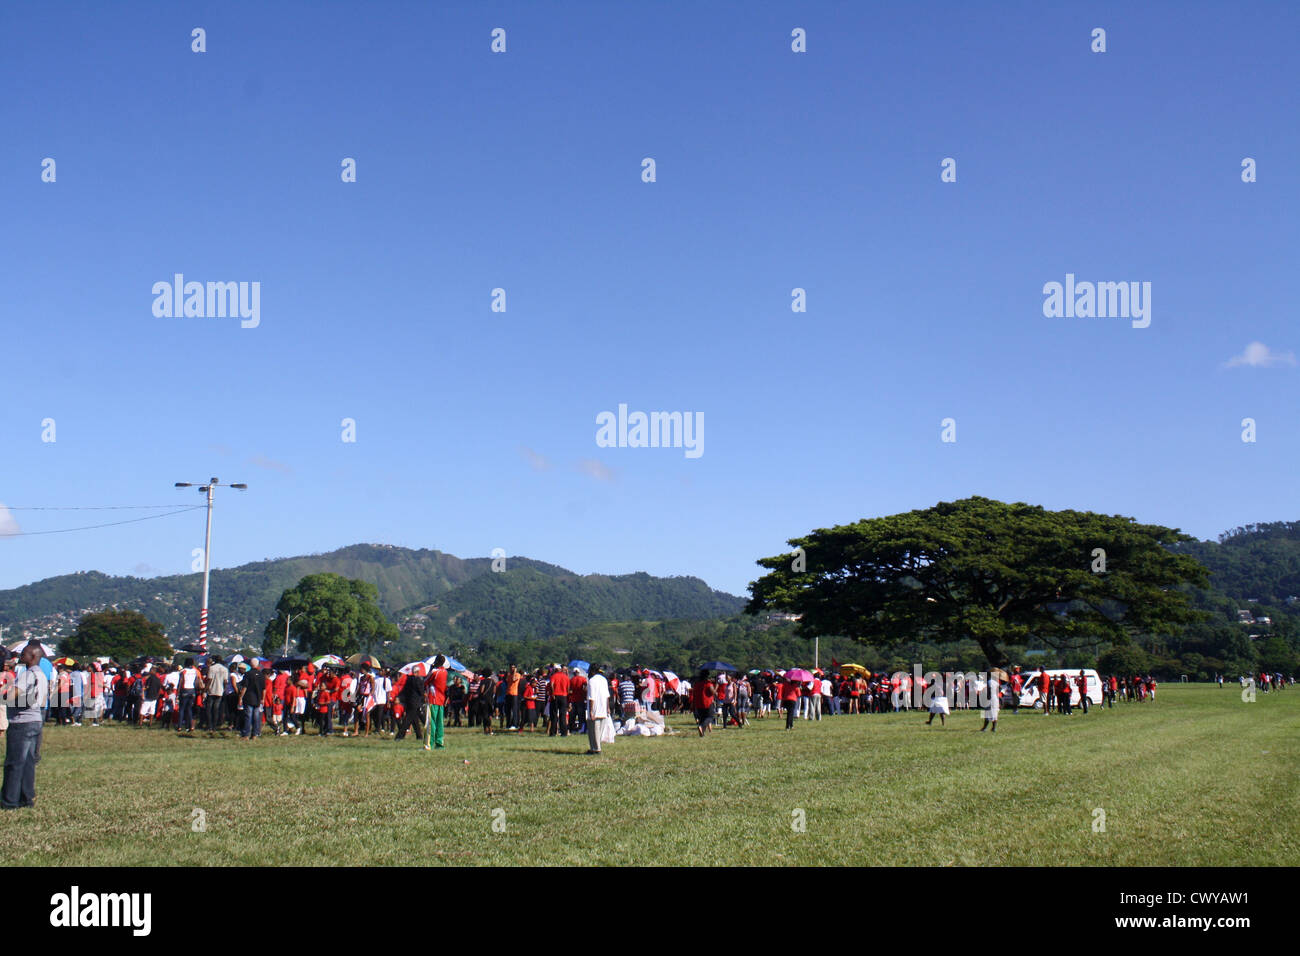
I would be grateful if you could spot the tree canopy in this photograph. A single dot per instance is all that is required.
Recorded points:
(120, 634)
(329, 614)
(977, 568)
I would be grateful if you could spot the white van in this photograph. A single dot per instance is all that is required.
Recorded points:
(1029, 696)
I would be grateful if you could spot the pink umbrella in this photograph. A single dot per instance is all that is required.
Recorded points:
(415, 667)
(798, 674)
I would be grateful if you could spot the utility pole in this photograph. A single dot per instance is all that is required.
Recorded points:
(287, 619)
(207, 489)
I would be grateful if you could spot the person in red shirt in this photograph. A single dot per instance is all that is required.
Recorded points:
(790, 694)
(272, 706)
(530, 705)
(326, 692)
(1045, 692)
(559, 702)
(578, 702)
(702, 694)
(1081, 682)
(514, 694)
(436, 689)
(1063, 696)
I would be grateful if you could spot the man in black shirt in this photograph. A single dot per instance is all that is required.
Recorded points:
(251, 690)
(413, 702)
(152, 688)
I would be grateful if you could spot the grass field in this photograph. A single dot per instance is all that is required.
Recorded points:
(1197, 778)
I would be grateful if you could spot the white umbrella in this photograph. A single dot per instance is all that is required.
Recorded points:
(45, 648)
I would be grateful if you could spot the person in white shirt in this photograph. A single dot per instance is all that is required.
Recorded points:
(990, 703)
(597, 708)
(190, 682)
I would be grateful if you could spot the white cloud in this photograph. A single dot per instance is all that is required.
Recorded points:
(596, 469)
(270, 464)
(537, 460)
(1258, 355)
(8, 524)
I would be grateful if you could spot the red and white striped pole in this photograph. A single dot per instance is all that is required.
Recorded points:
(207, 557)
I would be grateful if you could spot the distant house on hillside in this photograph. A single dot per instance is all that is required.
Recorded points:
(777, 617)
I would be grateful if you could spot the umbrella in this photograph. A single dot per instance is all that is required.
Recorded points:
(45, 648)
(63, 662)
(290, 663)
(415, 667)
(716, 666)
(451, 664)
(580, 665)
(798, 674)
(847, 669)
(328, 660)
(1000, 674)
(360, 660)
(756, 671)
(237, 659)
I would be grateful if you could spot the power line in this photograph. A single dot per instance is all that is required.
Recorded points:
(84, 507)
(91, 527)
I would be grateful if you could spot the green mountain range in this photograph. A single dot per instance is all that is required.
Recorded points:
(448, 597)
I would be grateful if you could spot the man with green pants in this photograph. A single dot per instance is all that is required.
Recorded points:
(437, 688)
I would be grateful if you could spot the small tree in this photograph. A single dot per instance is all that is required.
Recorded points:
(331, 614)
(120, 634)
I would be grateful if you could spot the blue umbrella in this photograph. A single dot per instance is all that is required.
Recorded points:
(580, 665)
(452, 664)
(716, 666)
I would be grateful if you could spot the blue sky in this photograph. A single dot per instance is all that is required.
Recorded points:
(775, 170)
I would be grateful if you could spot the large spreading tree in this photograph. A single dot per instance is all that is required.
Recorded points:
(1000, 574)
(120, 634)
(329, 614)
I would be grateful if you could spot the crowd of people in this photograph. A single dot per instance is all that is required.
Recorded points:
(216, 697)
(334, 698)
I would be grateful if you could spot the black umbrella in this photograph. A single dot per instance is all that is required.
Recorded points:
(289, 663)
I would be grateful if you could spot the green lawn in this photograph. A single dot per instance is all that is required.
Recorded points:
(1197, 778)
